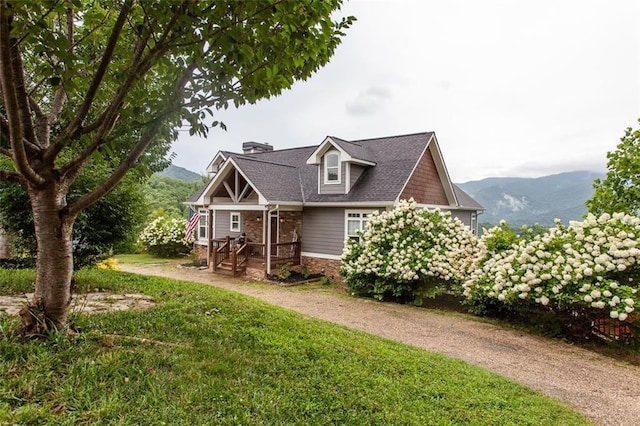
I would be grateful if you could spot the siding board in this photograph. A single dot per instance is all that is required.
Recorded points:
(463, 215)
(222, 224)
(323, 230)
(334, 188)
(356, 171)
(424, 185)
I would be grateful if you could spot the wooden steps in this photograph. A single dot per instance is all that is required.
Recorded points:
(226, 267)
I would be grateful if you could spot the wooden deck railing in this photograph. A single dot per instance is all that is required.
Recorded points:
(256, 253)
(286, 253)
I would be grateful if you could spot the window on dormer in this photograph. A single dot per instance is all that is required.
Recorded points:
(332, 167)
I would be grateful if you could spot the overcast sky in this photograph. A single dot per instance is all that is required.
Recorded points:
(510, 88)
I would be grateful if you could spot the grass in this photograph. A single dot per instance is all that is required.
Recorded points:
(147, 259)
(207, 356)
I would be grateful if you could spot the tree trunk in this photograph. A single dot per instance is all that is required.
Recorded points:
(54, 262)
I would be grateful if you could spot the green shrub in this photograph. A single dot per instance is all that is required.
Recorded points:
(579, 272)
(164, 237)
(305, 272)
(284, 271)
(407, 254)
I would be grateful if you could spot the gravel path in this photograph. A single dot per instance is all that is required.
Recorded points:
(606, 391)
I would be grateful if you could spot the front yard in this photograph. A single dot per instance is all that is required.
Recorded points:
(208, 356)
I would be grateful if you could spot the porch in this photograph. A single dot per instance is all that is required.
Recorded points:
(258, 240)
(235, 258)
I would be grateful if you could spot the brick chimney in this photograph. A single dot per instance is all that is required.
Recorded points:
(253, 147)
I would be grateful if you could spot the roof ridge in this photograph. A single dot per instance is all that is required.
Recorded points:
(346, 141)
(391, 137)
(279, 150)
(258, 160)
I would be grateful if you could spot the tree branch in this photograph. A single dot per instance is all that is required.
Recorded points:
(10, 63)
(98, 76)
(134, 155)
(109, 116)
(9, 176)
(6, 132)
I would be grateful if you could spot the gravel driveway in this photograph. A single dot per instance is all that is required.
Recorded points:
(605, 390)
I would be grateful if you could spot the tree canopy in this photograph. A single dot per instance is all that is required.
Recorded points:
(111, 81)
(619, 191)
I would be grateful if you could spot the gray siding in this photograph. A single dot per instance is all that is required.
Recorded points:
(463, 215)
(334, 188)
(356, 171)
(323, 230)
(222, 223)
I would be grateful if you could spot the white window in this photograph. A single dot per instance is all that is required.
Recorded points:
(332, 167)
(474, 223)
(356, 221)
(235, 222)
(203, 228)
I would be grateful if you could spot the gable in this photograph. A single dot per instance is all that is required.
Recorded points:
(230, 185)
(349, 152)
(425, 185)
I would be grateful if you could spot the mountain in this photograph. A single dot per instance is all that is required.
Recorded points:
(181, 173)
(525, 201)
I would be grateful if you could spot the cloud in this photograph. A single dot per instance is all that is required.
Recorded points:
(369, 101)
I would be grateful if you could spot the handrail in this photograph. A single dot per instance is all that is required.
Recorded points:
(235, 254)
(221, 254)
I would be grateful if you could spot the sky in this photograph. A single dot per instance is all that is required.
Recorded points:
(510, 88)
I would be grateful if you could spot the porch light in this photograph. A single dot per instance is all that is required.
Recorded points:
(259, 218)
(282, 220)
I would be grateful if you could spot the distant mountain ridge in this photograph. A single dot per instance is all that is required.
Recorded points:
(180, 173)
(525, 201)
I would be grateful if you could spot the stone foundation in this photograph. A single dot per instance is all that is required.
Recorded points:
(330, 267)
(200, 251)
(252, 274)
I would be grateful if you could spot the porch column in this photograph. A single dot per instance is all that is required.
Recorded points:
(267, 239)
(210, 234)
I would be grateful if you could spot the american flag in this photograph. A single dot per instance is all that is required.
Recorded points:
(194, 218)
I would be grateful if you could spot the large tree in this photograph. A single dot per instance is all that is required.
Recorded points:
(619, 191)
(86, 80)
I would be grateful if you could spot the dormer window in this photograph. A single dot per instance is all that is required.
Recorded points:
(332, 167)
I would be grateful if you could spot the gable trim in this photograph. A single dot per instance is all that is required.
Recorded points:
(316, 156)
(215, 182)
(220, 155)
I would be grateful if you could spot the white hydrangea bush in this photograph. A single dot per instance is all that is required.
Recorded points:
(164, 237)
(407, 253)
(591, 264)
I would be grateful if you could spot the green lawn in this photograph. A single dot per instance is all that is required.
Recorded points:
(208, 356)
(147, 259)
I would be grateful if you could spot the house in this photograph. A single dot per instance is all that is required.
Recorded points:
(299, 205)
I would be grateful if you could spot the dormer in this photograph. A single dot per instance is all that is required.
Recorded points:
(340, 164)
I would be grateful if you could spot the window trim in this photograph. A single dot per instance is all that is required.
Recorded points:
(326, 168)
(204, 213)
(360, 219)
(231, 222)
(474, 223)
